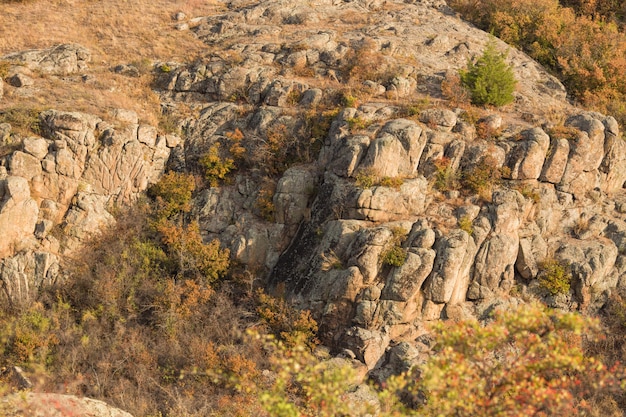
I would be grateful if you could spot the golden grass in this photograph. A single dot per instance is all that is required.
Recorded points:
(116, 32)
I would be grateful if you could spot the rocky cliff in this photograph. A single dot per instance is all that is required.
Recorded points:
(359, 187)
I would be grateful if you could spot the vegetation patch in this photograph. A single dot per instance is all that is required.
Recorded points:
(394, 254)
(584, 46)
(23, 120)
(445, 177)
(216, 166)
(368, 177)
(483, 176)
(563, 132)
(490, 79)
(554, 277)
(465, 224)
(265, 200)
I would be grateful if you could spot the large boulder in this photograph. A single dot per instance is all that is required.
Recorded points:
(18, 214)
(61, 59)
(397, 149)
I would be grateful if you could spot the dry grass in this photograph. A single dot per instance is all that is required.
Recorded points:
(116, 32)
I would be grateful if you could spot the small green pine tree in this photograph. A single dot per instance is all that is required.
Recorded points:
(490, 80)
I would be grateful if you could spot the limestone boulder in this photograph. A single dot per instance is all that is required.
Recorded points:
(450, 273)
(368, 345)
(365, 251)
(591, 263)
(586, 155)
(384, 204)
(348, 153)
(397, 149)
(60, 59)
(443, 119)
(554, 166)
(37, 147)
(494, 263)
(20, 80)
(18, 214)
(613, 176)
(74, 127)
(86, 217)
(528, 156)
(404, 283)
(25, 165)
(293, 191)
(215, 208)
(125, 166)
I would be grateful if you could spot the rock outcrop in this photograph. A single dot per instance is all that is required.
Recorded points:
(376, 184)
(56, 405)
(68, 179)
(359, 189)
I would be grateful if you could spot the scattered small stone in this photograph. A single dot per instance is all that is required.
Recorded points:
(127, 70)
(20, 80)
(180, 16)
(182, 26)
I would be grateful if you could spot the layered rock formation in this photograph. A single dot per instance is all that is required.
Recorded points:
(56, 190)
(367, 185)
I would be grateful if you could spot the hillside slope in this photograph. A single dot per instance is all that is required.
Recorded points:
(335, 158)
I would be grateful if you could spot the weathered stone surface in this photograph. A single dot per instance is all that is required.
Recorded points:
(348, 153)
(61, 59)
(363, 400)
(57, 405)
(125, 167)
(148, 135)
(215, 208)
(526, 264)
(85, 218)
(527, 158)
(614, 158)
(591, 263)
(585, 156)
(405, 281)
(20, 80)
(443, 119)
(450, 267)
(555, 164)
(23, 274)
(24, 165)
(383, 204)
(494, 262)
(18, 214)
(37, 147)
(397, 149)
(293, 191)
(256, 244)
(76, 129)
(368, 345)
(364, 251)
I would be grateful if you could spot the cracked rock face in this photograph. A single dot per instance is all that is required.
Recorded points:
(387, 207)
(68, 178)
(62, 59)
